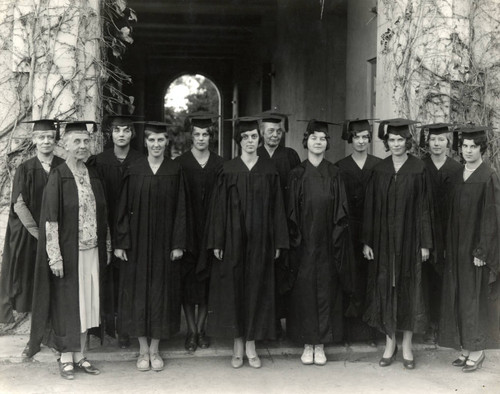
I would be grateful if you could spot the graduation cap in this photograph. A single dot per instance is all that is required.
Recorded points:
(398, 126)
(79, 126)
(154, 126)
(45, 125)
(473, 131)
(200, 119)
(317, 125)
(121, 120)
(244, 124)
(436, 129)
(274, 117)
(351, 127)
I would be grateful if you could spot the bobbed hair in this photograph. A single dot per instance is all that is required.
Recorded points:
(311, 132)
(408, 143)
(481, 141)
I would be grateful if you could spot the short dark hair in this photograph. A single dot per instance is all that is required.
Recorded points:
(237, 136)
(130, 126)
(353, 133)
(408, 143)
(481, 140)
(311, 132)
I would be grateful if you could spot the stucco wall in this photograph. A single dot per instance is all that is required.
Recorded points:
(310, 67)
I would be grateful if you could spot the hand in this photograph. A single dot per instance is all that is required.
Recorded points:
(479, 262)
(425, 254)
(219, 254)
(277, 254)
(176, 254)
(121, 254)
(368, 252)
(108, 259)
(57, 269)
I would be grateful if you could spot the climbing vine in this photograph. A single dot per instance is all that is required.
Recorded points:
(58, 59)
(445, 61)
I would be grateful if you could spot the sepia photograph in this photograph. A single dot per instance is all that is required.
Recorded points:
(250, 196)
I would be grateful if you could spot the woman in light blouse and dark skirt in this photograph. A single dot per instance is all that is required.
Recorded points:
(72, 252)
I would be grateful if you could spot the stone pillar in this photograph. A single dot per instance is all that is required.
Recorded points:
(437, 61)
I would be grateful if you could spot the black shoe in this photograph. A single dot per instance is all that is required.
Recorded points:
(460, 361)
(471, 365)
(385, 362)
(203, 340)
(65, 371)
(190, 343)
(85, 365)
(123, 341)
(408, 364)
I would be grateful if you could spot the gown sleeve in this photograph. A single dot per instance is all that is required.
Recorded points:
(179, 237)
(487, 248)
(293, 214)
(216, 226)
(369, 209)
(281, 240)
(121, 236)
(426, 235)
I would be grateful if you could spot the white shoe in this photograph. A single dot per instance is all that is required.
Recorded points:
(307, 357)
(319, 355)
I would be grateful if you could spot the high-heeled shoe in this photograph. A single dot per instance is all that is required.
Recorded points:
(471, 365)
(408, 364)
(460, 361)
(385, 362)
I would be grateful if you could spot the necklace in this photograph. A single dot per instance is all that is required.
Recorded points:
(79, 174)
(467, 169)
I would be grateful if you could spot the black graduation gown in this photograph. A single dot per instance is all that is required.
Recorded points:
(397, 225)
(56, 311)
(470, 298)
(355, 181)
(285, 159)
(151, 222)
(317, 215)
(111, 170)
(247, 221)
(19, 253)
(200, 183)
(433, 269)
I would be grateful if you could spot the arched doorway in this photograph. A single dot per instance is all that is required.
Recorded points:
(187, 94)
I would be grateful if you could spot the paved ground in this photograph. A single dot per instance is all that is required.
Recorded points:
(349, 370)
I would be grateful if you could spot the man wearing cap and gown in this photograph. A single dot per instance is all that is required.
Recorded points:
(150, 239)
(73, 250)
(470, 306)
(110, 165)
(441, 170)
(19, 253)
(246, 230)
(356, 170)
(200, 166)
(317, 217)
(397, 236)
(272, 125)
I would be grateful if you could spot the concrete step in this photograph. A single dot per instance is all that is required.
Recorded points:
(11, 347)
